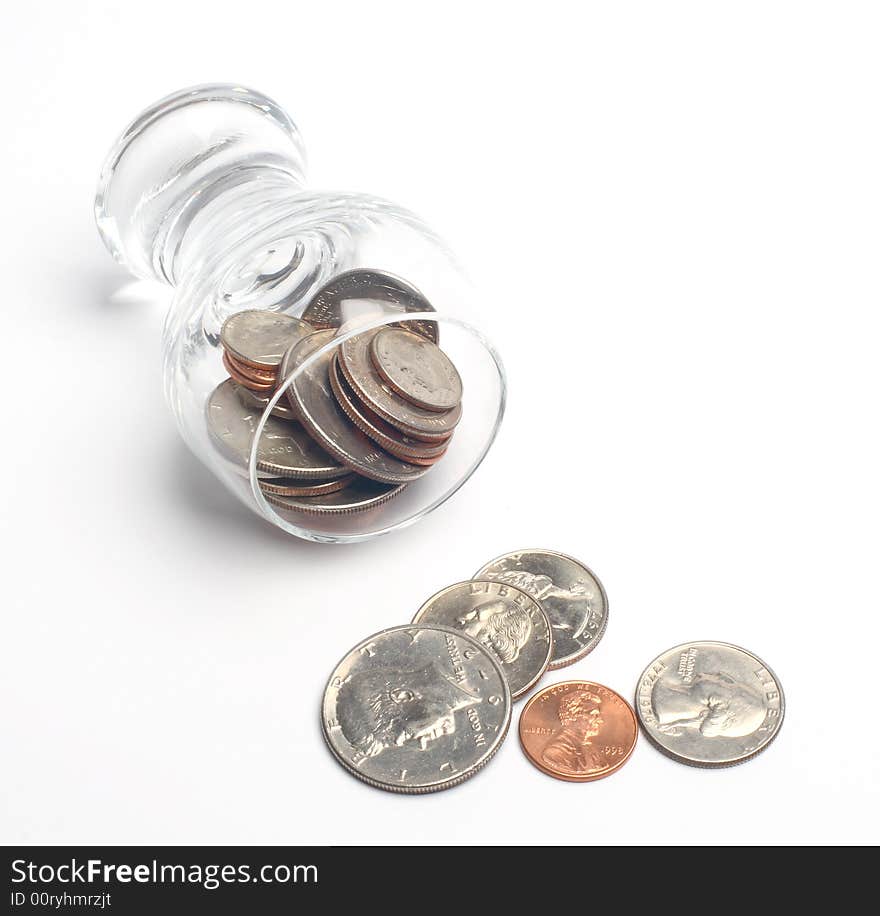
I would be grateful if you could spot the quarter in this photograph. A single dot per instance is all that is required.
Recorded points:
(502, 618)
(416, 368)
(710, 704)
(570, 593)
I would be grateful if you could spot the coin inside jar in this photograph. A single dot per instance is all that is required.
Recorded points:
(259, 338)
(578, 731)
(311, 396)
(285, 449)
(362, 294)
(382, 433)
(257, 375)
(282, 486)
(259, 400)
(357, 365)
(509, 622)
(359, 495)
(416, 368)
(246, 381)
(709, 704)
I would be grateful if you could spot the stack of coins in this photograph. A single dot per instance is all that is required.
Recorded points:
(360, 421)
(424, 706)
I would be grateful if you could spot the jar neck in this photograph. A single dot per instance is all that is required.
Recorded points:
(217, 215)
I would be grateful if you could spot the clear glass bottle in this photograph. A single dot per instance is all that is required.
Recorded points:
(205, 191)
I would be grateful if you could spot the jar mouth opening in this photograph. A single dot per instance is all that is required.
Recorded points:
(484, 404)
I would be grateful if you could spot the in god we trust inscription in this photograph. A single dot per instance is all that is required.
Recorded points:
(710, 704)
(416, 709)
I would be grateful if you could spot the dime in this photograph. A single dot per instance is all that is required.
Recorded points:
(246, 381)
(363, 294)
(578, 731)
(259, 400)
(710, 704)
(282, 486)
(260, 338)
(357, 365)
(571, 595)
(416, 369)
(502, 618)
(359, 496)
(416, 709)
(285, 449)
(311, 396)
(372, 425)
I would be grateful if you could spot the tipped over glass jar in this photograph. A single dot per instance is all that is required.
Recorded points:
(319, 355)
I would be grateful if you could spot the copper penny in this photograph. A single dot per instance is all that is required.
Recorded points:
(284, 486)
(243, 379)
(372, 425)
(258, 375)
(578, 731)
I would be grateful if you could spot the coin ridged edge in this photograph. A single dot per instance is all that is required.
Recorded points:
(564, 663)
(336, 510)
(372, 433)
(330, 446)
(711, 764)
(401, 425)
(420, 790)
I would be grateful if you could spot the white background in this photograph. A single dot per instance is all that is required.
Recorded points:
(672, 211)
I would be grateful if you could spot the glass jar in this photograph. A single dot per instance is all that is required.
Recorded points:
(205, 191)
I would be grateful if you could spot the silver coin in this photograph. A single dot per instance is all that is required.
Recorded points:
(259, 338)
(504, 619)
(311, 396)
(358, 496)
(709, 704)
(416, 369)
(260, 401)
(285, 449)
(357, 366)
(286, 486)
(364, 294)
(569, 592)
(382, 433)
(416, 709)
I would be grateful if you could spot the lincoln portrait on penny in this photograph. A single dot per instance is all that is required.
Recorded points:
(571, 750)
